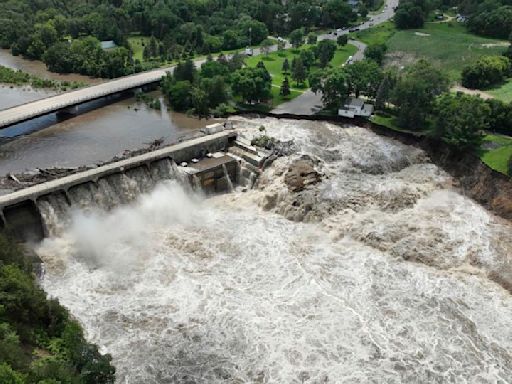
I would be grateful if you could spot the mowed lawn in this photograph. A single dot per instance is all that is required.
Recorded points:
(274, 64)
(503, 92)
(379, 34)
(448, 45)
(497, 158)
(137, 44)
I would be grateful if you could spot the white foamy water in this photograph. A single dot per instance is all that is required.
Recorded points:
(386, 281)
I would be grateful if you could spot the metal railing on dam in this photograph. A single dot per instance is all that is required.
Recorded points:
(118, 182)
(24, 112)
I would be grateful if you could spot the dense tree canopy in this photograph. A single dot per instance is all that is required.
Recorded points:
(39, 342)
(50, 29)
(415, 92)
(460, 120)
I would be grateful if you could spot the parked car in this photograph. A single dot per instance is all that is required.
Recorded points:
(249, 51)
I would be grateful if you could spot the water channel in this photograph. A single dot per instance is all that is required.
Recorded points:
(101, 130)
(381, 273)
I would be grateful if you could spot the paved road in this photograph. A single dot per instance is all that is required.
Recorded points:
(310, 103)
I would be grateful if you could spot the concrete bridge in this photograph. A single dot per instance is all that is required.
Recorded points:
(71, 99)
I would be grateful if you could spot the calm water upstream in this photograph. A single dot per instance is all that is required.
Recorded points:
(387, 280)
(38, 68)
(91, 137)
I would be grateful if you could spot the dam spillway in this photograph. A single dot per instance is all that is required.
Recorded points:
(26, 212)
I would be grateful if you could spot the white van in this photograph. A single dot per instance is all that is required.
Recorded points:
(248, 51)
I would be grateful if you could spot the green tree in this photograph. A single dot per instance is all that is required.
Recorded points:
(335, 89)
(285, 88)
(214, 68)
(200, 102)
(342, 40)
(58, 58)
(364, 77)
(251, 84)
(415, 92)
(216, 89)
(486, 71)
(297, 38)
(179, 94)
(460, 120)
(286, 66)
(385, 89)
(315, 81)
(408, 15)
(312, 38)
(9, 376)
(337, 13)
(185, 71)
(308, 57)
(299, 73)
(376, 52)
(324, 51)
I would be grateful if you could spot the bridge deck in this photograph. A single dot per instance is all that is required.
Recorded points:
(51, 104)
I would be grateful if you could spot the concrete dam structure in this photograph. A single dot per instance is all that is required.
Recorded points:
(214, 163)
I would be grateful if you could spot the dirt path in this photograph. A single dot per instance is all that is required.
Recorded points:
(475, 92)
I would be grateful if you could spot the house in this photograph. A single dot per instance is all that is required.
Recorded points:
(355, 107)
(108, 44)
(461, 18)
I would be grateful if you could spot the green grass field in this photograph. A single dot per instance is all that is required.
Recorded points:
(448, 45)
(136, 43)
(274, 63)
(504, 92)
(379, 34)
(497, 158)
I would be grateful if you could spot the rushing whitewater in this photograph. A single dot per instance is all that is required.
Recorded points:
(380, 273)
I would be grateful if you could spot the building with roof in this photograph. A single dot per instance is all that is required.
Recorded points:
(354, 106)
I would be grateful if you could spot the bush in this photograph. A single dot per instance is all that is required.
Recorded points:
(8, 376)
(487, 71)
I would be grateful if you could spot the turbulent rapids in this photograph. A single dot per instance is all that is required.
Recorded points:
(378, 271)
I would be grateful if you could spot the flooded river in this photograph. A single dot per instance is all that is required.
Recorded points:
(38, 68)
(380, 273)
(102, 129)
(92, 137)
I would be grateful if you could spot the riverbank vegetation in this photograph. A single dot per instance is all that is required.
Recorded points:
(19, 78)
(39, 342)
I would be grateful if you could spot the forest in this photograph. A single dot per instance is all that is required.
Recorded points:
(66, 34)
